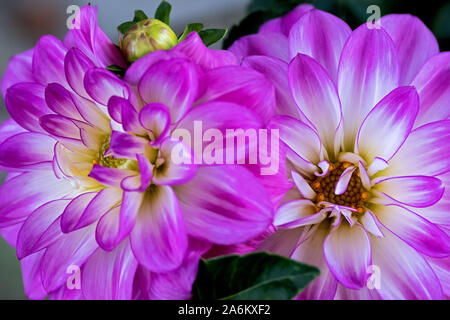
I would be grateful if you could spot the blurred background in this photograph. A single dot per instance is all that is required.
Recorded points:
(22, 22)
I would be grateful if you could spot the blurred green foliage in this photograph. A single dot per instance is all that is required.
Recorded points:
(435, 14)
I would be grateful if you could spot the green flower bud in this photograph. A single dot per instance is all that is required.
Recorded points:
(147, 36)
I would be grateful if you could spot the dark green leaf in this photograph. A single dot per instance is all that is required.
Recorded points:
(139, 15)
(119, 71)
(255, 276)
(189, 28)
(124, 27)
(211, 36)
(163, 12)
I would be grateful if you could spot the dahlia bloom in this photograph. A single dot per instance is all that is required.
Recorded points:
(363, 116)
(91, 184)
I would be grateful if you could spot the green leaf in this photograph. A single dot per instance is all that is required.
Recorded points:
(139, 15)
(190, 28)
(256, 276)
(119, 71)
(211, 36)
(124, 27)
(163, 12)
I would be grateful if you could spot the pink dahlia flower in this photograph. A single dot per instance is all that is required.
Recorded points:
(363, 116)
(92, 193)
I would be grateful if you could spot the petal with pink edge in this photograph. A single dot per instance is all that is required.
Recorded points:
(155, 118)
(220, 208)
(25, 103)
(419, 233)
(18, 70)
(405, 273)
(31, 274)
(159, 239)
(368, 70)
(76, 64)
(425, 152)
(433, 85)
(321, 36)
(28, 150)
(316, 96)
(110, 176)
(347, 251)
(243, 86)
(174, 83)
(48, 61)
(110, 275)
(414, 42)
(415, 191)
(275, 45)
(388, 125)
(102, 84)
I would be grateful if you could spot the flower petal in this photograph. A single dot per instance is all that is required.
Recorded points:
(303, 186)
(316, 96)
(127, 145)
(415, 191)
(419, 233)
(347, 251)
(368, 70)
(25, 103)
(414, 42)
(243, 86)
(159, 238)
(173, 83)
(405, 275)
(220, 208)
(293, 210)
(76, 64)
(344, 179)
(18, 70)
(388, 125)
(48, 61)
(110, 176)
(155, 118)
(102, 84)
(273, 45)
(433, 85)
(31, 274)
(321, 36)
(425, 152)
(28, 150)
(110, 275)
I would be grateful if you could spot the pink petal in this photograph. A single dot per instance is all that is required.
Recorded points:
(273, 45)
(60, 127)
(321, 36)
(118, 222)
(72, 249)
(110, 275)
(31, 151)
(76, 64)
(368, 70)
(303, 186)
(344, 179)
(110, 176)
(415, 191)
(316, 96)
(388, 125)
(18, 70)
(125, 145)
(171, 172)
(414, 43)
(419, 233)
(32, 276)
(159, 238)
(291, 18)
(155, 118)
(173, 83)
(23, 194)
(142, 181)
(405, 275)
(101, 85)
(243, 86)
(425, 152)
(347, 251)
(220, 208)
(31, 236)
(25, 103)
(276, 71)
(293, 210)
(74, 210)
(433, 85)
(48, 61)
(60, 101)
(194, 48)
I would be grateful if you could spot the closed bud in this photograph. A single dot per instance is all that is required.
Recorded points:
(147, 36)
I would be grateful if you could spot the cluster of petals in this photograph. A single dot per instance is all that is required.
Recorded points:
(91, 183)
(372, 103)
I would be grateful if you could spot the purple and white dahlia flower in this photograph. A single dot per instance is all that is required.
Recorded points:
(363, 116)
(91, 184)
